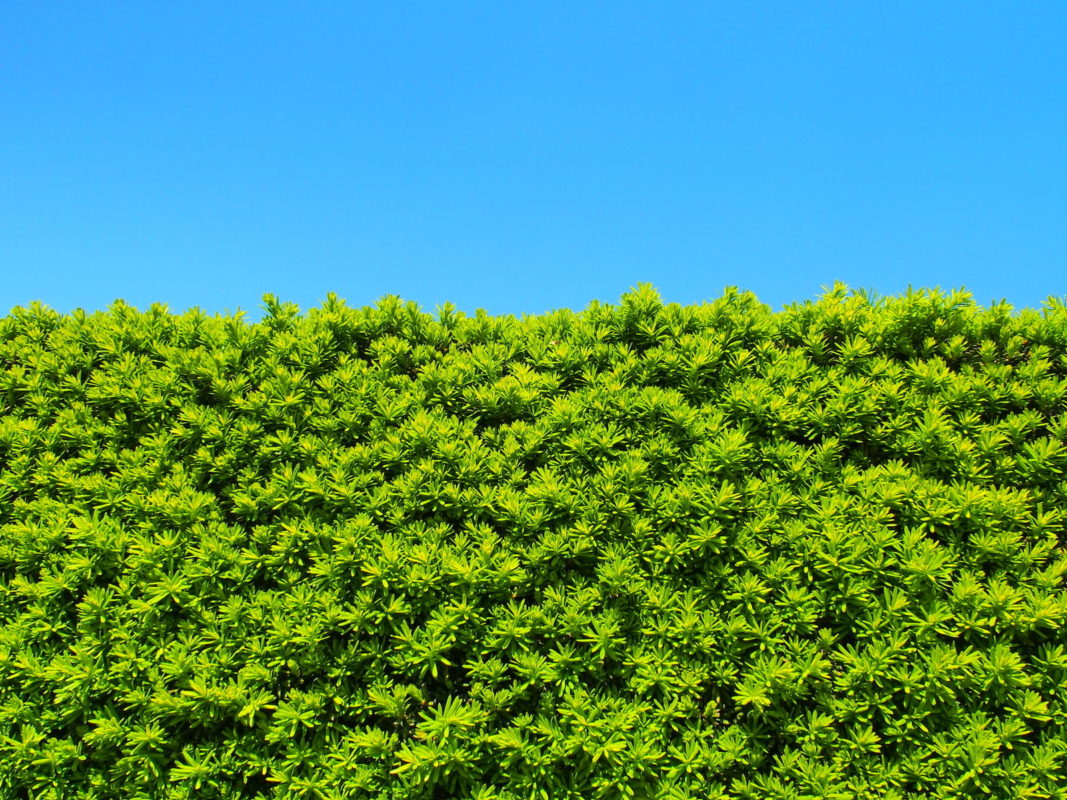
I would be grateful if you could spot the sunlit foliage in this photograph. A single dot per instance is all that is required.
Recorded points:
(637, 551)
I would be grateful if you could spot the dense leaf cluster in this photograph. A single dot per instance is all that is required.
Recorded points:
(641, 551)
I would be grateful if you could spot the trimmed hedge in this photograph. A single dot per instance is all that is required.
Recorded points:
(641, 551)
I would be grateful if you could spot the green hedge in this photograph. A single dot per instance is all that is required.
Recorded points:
(640, 551)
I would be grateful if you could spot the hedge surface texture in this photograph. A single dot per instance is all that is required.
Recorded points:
(638, 551)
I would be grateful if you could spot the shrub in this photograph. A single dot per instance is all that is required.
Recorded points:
(641, 551)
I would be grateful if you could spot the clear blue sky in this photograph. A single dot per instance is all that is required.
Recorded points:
(521, 157)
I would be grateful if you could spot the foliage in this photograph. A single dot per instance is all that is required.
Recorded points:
(641, 551)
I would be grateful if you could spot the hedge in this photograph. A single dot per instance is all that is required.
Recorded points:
(639, 551)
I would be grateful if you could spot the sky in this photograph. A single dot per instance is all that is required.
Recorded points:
(527, 157)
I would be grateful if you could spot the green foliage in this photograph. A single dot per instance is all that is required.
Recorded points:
(641, 551)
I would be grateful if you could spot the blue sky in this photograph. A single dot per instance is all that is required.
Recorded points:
(522, 157)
